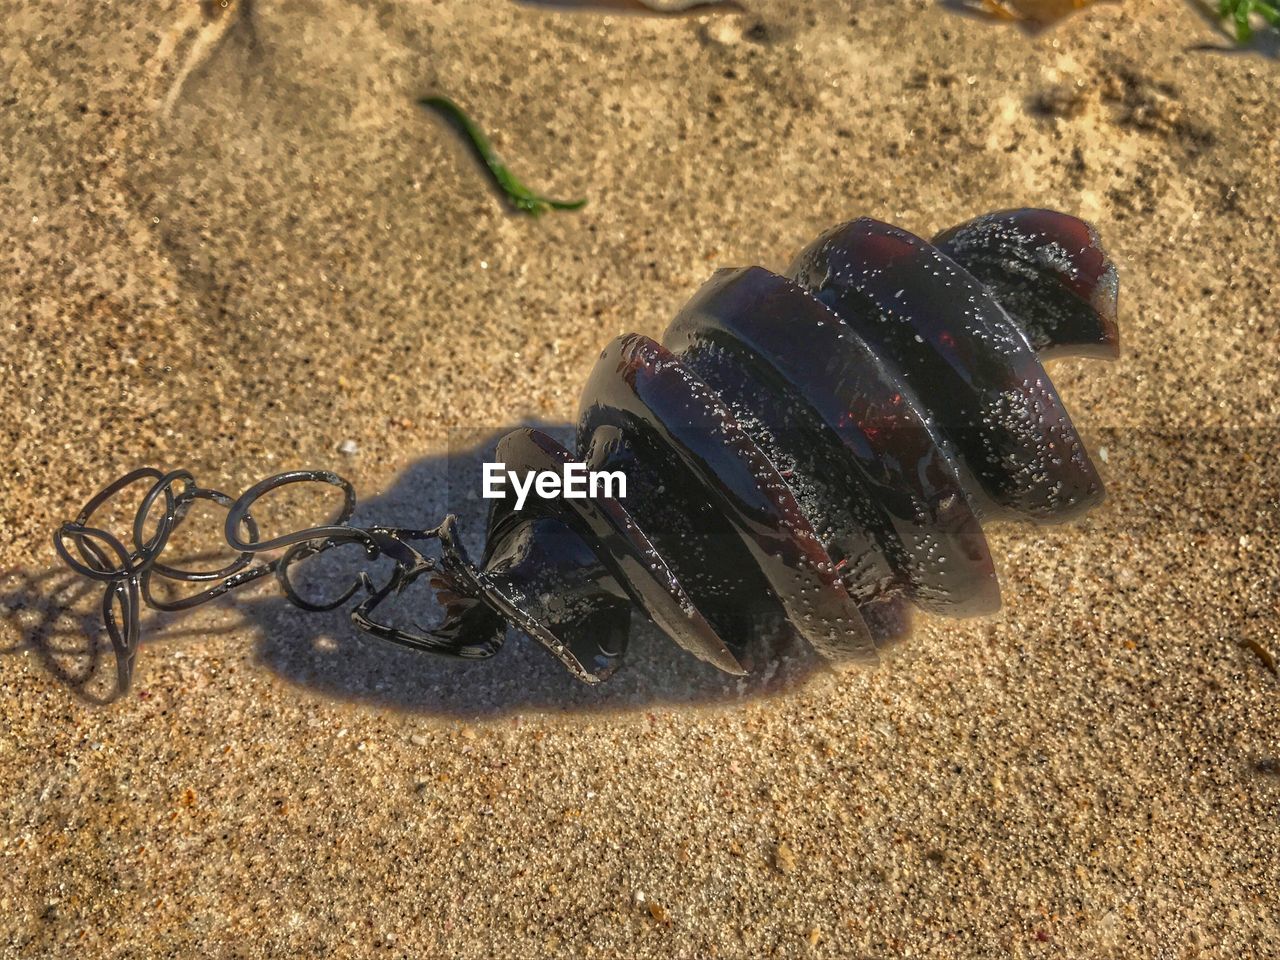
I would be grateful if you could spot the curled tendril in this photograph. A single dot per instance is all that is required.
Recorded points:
(127, 571)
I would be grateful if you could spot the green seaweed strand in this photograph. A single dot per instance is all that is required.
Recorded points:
(520, 196)
(1239, 11)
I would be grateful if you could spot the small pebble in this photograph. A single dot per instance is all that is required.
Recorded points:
(784, 858)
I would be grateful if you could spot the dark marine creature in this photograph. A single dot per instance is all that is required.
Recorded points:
(811, 451)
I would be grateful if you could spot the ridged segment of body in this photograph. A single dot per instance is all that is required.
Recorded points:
(814, 450)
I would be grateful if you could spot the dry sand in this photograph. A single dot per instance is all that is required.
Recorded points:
(294, 254)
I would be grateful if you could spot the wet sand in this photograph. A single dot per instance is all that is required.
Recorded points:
(239, 271)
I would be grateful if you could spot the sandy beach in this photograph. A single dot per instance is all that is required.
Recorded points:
(233, 242)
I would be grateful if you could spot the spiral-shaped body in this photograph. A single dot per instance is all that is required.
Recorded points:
(814, 449)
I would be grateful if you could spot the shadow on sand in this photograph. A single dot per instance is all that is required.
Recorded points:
(56, 618)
